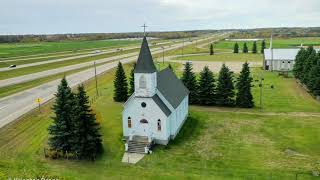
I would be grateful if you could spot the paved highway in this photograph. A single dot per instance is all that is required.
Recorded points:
(14, 106)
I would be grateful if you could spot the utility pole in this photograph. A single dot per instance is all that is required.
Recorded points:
(196, 44)
(182, 46)
(271, 49)
(162, 55)
(260, 85)
(95, 76)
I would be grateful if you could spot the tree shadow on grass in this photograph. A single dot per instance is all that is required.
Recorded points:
(190, 131)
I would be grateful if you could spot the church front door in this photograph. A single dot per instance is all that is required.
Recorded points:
(143, 128)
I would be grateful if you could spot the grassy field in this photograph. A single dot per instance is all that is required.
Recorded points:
(215, 143)
(190, 49)
(277, 43)
(224, 57)
(44, 67)
(19, 49)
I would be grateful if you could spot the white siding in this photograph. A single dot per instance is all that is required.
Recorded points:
(151, 113)
(178, 117)
(150, 86)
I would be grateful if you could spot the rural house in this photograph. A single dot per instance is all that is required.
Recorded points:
(157, 109)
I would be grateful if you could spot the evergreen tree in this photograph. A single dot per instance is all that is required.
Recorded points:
(254, 47)
(245, 48)
(299, 63)
(120, 85)
(190, 81)
(88, 139)
(307, 64)
(207, 87)
(236, 48)
(131, 80)
(310, 75)
(244, 97)
(263, 46)
(225, 87)
(61, 131)
(314, 81)
(211, 49)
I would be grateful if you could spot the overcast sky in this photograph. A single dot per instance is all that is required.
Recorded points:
(81, 16)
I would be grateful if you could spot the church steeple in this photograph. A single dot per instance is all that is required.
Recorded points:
(145, 73)
(145, 62)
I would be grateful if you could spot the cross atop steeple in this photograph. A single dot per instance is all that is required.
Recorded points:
(144, 29)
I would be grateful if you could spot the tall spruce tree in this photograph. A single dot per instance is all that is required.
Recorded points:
(211, 49)
(61, 131)
(236, 48)
(245, 48)
(263, 46)
(254, 47)
(244, 97)
(307, 64)
(314, 81)
(88, 139)
(311, 74)
(299, 63)
(190, 81)
(131, 80)
(207, 87)
(120, 85)
(225, 87)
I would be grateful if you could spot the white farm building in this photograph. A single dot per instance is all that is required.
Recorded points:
(279, 59)
(157, 109)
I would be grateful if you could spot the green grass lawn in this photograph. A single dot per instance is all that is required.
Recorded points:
(286, 96)
(224, 57)
(213, 144)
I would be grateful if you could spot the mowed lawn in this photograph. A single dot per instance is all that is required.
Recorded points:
(215, 143)
(224, 57)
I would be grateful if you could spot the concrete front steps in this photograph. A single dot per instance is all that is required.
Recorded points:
(138, 144)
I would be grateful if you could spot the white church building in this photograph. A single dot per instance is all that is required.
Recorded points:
(157, 109)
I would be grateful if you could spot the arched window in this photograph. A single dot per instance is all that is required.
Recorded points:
(129, 122)
(142, 82)
(143, 121)
(159, 125)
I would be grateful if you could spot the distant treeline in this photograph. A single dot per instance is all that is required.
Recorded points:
(98, 36)
(277, 32)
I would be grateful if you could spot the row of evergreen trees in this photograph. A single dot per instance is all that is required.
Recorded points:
(74, 129)
(245, 47)
(206, 91)
(307, 69)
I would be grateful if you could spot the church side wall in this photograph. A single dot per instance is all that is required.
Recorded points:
(179, 117)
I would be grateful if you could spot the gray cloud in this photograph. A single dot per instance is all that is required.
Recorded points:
(73, 16)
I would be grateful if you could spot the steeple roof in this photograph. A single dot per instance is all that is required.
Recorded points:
(145, 62)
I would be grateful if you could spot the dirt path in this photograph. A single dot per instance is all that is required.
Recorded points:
(215, 66)
(242, 111)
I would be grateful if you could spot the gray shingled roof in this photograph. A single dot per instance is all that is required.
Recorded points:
(171, 87)
(161, 104)
(145, 62)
